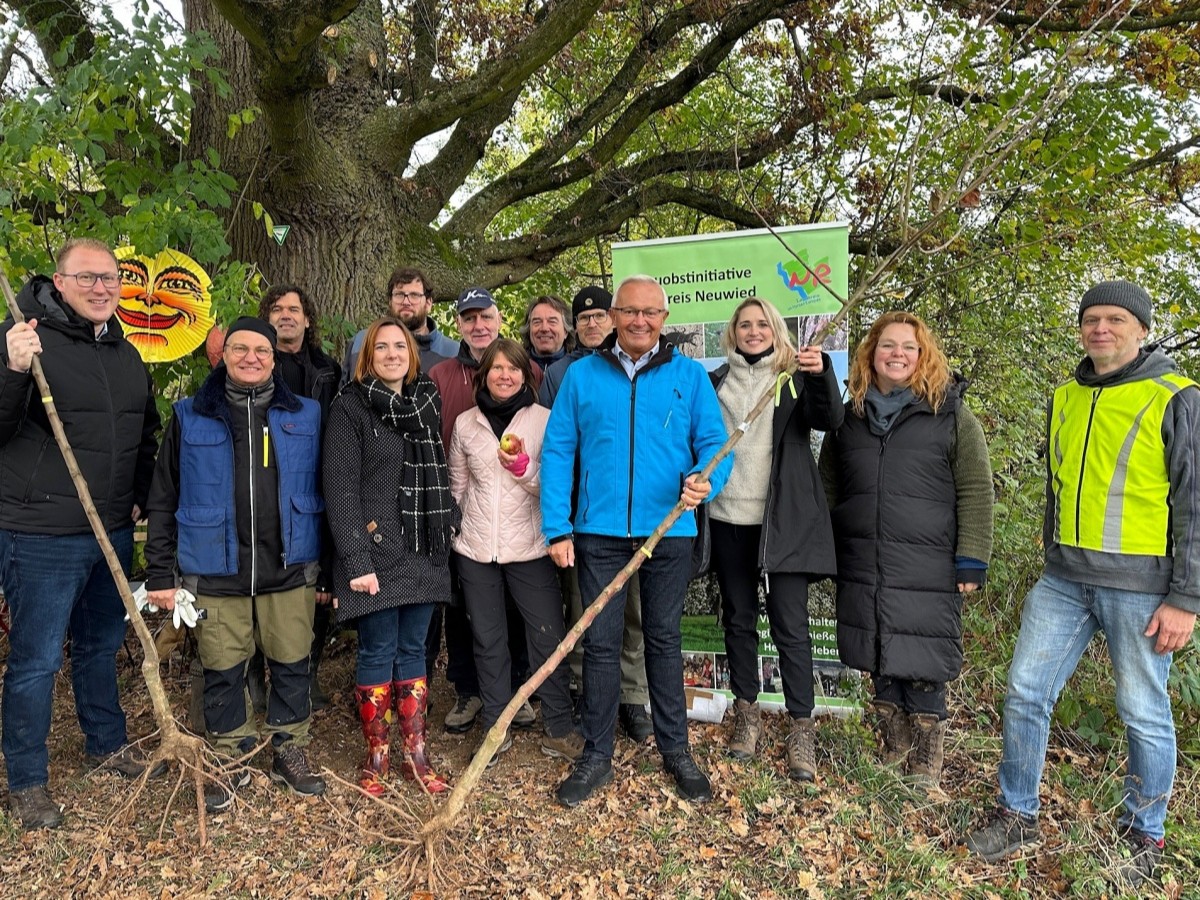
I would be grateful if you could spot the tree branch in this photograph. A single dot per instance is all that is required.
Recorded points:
(53, 23)
(539, 174)
(1077, 16)
(282, 36)
(1165, 155)
(397, 129)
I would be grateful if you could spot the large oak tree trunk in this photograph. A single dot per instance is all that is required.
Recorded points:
(312, 165)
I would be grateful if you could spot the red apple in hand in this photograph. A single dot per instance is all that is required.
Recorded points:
(511, 444)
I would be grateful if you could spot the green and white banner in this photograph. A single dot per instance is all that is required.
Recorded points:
(705, 278)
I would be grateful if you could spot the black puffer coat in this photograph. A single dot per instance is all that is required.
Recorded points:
(103, 395)
(898, 610)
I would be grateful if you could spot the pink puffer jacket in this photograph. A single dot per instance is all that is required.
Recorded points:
(501, 514)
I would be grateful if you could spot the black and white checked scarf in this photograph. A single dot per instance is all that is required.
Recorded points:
(428, 512)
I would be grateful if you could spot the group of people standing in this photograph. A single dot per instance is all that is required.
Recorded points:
(513, 480)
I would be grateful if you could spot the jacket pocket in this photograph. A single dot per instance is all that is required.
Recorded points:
(304, 529)
(202, 541)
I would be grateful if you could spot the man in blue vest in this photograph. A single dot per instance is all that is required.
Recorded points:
(235, 508)
(1122, 543)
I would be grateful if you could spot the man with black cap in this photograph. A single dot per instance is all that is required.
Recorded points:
(1122, 545)
(593, 324)
(235, 509)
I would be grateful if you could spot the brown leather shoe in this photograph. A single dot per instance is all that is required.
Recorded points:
(35, 808)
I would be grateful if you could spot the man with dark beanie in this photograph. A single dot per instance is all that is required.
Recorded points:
(235, 509)
(1122, 558)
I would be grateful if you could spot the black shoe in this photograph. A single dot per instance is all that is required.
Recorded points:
(635, 722)
(588, 776)
(1004, 832)
(128, 762)
(35, 808)
(291, 767)
(1138, 869)
(218, 795)
(691, 783)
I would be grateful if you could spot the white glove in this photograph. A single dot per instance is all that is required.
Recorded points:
(139, 600)
(185, 609)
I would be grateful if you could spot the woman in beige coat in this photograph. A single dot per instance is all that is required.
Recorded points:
(494, 476)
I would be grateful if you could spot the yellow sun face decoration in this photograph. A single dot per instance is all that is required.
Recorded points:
(165, 307)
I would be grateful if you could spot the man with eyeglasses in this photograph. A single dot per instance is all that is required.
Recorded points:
(56, 581)
(643, 421)
(309, 372)
(410, 299)
(593, 324)
(235, 509)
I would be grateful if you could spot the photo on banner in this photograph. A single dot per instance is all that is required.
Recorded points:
(801, 271)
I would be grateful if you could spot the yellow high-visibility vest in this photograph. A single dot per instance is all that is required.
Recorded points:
(1108, 466)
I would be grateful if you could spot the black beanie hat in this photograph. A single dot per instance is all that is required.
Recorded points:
(1124, 294)
(590, 298)
(258, 326)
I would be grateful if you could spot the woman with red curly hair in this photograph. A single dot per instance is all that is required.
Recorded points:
(910, 493)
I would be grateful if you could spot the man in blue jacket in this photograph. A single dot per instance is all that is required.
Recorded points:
(235, 508)
(644, 421)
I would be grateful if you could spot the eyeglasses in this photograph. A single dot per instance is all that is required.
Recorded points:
(650, 315)
(589, 317)
(237, 351)
(89, 279)
(408, 296)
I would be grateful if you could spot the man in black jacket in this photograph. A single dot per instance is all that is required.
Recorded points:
(234, 508)
(55, 578)
(309, 372)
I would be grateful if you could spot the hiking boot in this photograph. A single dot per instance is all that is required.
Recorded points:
(525, 717)
(635, 721)
(219, 793)
(924, 764)
(129, 762)
(463, 714)
(568, 747)
(588, 776)
(291, 767)
(1006, 831)
(505, 746)
(691, 783)
(895, 729)
(34, 808)
(1138, 869)
(801, 750)
(747, 727)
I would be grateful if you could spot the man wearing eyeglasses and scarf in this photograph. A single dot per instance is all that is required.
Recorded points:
(55, 578)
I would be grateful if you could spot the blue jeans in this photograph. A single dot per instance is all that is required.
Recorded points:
(391, 644)
(57, 585)
(1058, 622)
(664, 580)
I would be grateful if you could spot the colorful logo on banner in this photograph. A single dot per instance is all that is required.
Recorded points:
(807, 285)
(165, 307)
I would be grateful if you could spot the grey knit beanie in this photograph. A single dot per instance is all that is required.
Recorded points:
(1124, 294)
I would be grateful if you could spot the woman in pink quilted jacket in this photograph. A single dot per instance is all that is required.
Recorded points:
(494, 476)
